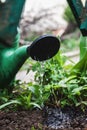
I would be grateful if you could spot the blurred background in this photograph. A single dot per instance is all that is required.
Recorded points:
(43, 17)
(49, 17)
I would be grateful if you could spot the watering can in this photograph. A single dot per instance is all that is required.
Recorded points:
(12, 57)
(79, 9)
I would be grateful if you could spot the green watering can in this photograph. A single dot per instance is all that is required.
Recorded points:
(12, 57)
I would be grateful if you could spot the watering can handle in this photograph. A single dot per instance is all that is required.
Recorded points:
(80, 12)
(10, 13)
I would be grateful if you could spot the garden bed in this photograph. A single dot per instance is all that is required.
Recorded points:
(61, 86)
(48, 119)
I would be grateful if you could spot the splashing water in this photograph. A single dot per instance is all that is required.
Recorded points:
(2, 1)
(83, 2)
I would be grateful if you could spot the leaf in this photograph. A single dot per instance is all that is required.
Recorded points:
(82, 102)
(9, 103)
(35, 104)
(81, 66)
(76, 91)
(83, 46)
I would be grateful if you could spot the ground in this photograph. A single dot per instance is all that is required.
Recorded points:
(20, 120)
(67, 119)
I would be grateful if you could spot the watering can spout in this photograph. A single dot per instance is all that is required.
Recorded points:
(13, 57)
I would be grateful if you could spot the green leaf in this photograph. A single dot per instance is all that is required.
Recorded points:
(76, 91)
(35, 105)
(82, 102)
(9, 103)
(83, 46)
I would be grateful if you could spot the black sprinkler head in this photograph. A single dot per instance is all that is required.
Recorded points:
(44, 47)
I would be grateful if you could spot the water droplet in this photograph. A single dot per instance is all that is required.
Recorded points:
(83, 2)
(3, 1)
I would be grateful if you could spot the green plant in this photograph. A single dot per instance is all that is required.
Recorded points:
(66, 87)
(31, 95)
(49, 71)
(5, 96)
(24, 96)
(81, 66)
(49, 74)
(7, 99)
(55, 84)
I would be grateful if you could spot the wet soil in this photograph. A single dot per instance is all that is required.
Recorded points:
(47, 119)
(66, 119)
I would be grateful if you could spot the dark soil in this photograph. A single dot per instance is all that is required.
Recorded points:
(66, 119)
(48, 119)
